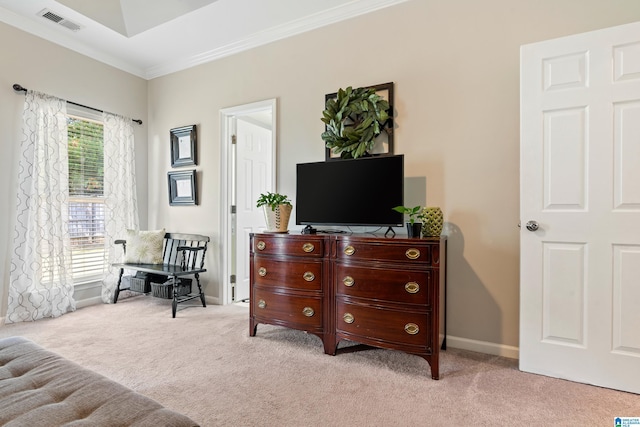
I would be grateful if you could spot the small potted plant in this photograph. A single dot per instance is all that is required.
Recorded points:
(277, 210)
(414, 229)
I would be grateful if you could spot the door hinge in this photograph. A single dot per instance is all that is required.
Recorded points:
(234, 140)
(232, 279)
(233, 209)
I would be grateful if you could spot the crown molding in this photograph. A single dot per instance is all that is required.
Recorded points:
(340, 13)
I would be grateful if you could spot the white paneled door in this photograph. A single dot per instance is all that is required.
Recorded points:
(254, 171)
(580, 208)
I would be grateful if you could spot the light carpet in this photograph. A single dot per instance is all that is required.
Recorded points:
(205, 365)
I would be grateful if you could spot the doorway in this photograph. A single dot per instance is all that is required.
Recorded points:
(248, 161)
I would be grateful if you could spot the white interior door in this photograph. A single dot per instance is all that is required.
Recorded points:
(254, 166)
(580, 182)
(248, 167)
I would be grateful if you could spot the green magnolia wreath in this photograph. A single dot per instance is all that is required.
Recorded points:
(354, 118)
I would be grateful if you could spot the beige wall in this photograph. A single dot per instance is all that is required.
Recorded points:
(39, 65)
(455, 65)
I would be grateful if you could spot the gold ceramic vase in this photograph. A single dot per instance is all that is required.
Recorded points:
(433, 220)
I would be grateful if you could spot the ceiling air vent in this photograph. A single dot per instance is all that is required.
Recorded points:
(54, 17)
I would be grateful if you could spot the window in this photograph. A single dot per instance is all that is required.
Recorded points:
(86, 198)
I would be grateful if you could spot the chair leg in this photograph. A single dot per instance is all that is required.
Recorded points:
(117, 291)
(174, 304)
(197, 276)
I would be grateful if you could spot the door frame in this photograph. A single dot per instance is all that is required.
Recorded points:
(227, 129)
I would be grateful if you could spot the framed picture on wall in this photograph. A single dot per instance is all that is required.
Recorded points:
(384, 141)
(182, 188)
(184, 146)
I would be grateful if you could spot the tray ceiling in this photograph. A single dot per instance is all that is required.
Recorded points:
(154, 38)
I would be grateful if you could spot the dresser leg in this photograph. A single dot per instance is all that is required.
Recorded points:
(253, 327)
(330, 345)
(435, 367)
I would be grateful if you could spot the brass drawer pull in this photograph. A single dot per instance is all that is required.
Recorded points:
(308, 311)
(261, 245)
(308, 247)
(348, 281)
(262, 303)
(262, 271)
(412, 253)
(412, 287)
(309, 276)
(411, 328)
(349, 250)
(348, 318)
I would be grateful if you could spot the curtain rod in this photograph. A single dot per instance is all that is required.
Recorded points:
(19, 88)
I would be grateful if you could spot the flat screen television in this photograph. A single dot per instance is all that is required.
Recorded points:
(354, 192)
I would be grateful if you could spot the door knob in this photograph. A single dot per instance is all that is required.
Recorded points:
(532, 225)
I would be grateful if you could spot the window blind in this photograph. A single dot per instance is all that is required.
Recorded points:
(86, 198)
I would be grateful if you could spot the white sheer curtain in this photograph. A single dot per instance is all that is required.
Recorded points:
(40, 283)
(121, 206)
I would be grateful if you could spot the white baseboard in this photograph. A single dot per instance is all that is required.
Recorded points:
(483, 347)
(212, 300)
(88, 301)
(98, 300)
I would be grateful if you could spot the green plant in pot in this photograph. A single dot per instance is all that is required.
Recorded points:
(277, 211)
(414, 229)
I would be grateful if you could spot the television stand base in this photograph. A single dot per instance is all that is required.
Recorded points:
(309, 230)
(390, 229)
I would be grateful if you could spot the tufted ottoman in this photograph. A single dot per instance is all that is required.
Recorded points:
(38, 388)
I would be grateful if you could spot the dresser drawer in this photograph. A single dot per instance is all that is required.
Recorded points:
(304, 312)
(292, 274)
(372, 324)
(307, 246)
(418, 252)
(386, 284)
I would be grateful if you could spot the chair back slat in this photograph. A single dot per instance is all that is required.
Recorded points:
(192, 259)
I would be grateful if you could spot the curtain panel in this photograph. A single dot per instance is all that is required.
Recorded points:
(40, 283)
(121, 205)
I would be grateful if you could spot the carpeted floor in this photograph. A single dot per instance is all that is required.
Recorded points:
(204, 364)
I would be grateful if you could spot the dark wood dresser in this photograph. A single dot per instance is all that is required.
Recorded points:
(377, 291)
(289, 278)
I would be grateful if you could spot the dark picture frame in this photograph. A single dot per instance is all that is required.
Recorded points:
(384, 142)
(182, 188)
(184, 146)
